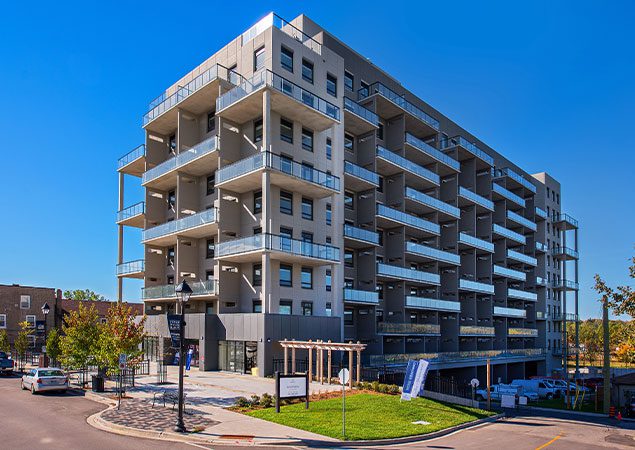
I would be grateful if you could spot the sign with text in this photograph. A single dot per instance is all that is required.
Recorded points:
(174, 325)
(40, 326)
(415, 378)
(508, 401)
(422, 373)
(292, 386)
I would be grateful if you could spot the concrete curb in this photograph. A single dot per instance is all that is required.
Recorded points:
(577, 413)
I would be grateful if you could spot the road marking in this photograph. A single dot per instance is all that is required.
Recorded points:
(549, 443)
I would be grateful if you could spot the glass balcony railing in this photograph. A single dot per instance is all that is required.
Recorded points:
(407, 219)
(404, 273)
(509, 273)
(475, 198)
(509, 312)
(361, 173)
(195, 220)
(199, 288)
(408, 328)
(361, 234)
(266, 78)
(274, 242)
(287, 166)
(360, 111)
(400, 101)
(509, 234)
(521, 257)
(407, 165)
(132, 155)
(470, 147)
(565, 284)
(522, 295)
(467, 330)
(401, 359)
(562, 217)
(520, 220)
(131, 211)
(475, 286)
(517, 178)
(432, 304)
(131, 267)
(274, 20)
(540, 247)
(522, 332)
(203, 148)
(433, 253)
(541, 212)
(359, 296)
(540, 281)
(509, 195)
(565, 251)
(569, 317)
(472, 241)
(433, 152)
(432, 202)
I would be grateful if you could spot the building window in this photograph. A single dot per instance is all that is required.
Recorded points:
(380, 188)
(209, 274)
(380, 131)
(257, 130)
(348, 317)
(329, 281)
(329, 214)
(257, 202)
(286, 275)
(171, 254)
(211, 121)
(307, 71)
(259, 59)
(256, 275)
(211, 182)
(307, 308)
(209, 249)
(170, 279)
(349, 200)
(379, 288)
(286, 131)
(349, 80)
(172, 144)
(256, 306)
(331, 84)
(286, 307)
(31, 338)
(230, 304)
(329, 309)
(307, 139)
(171, 200)
(25, 302)
(329, 149)
(286, 58)
(348, 283)
(3, 320)
(349, 258)
(349, 143)
(307, 278)
(286, 202)
(307, 208)
(30, 319)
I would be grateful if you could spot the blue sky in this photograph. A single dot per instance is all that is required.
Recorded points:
(550, 85)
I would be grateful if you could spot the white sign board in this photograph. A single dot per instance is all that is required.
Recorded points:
(343, 375)
(293, 387)
(522, 400)
(508, 401)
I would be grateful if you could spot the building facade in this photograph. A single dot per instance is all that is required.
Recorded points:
(306, 194)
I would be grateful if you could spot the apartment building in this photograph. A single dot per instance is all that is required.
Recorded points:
(304, 193)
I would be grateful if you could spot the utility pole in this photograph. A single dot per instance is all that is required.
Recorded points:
(606, 370)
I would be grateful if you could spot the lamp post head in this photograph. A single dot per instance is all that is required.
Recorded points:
(183, 291)
(45, 308)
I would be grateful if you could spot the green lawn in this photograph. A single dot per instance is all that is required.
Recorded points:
(558, 403)
(371, 416)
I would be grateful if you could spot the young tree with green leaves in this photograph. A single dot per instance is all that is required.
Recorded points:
(85, 294)
(4, 342)
(121, 334)
(21, 343)
(53, 341)
(79, 344)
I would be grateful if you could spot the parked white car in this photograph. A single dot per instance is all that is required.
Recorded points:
(543, 387)
(45, 379)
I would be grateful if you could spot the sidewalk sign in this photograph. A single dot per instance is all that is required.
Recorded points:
(292, 386)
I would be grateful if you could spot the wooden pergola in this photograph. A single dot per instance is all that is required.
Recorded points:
(320, 347)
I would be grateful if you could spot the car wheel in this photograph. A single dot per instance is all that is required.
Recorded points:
(549, 396)
(22, 386)
(33, 391)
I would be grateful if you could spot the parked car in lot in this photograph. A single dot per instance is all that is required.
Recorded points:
(6, 363)
(498, 390)
(45, 379)
(543, 387)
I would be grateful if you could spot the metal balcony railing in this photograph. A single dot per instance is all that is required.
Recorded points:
(131, 211)
(361, 173)
(450, 357)
(469, 146)
(433, 253)
(509, 195)
(359, 296)
(565, 284)
(407, 165)
(199, 288)
(432, 304)
(408, 219)
(475, 198)
(562, 217)
(131, 267)
(509, 234)
(195, 220)
(476, 286)
(132, 155)
(467, 239)
(522, 295)
(521, 257)
(516, 177)
(566, 251)
(404, 273)
(360, 234)
(541, 212)
(408, 328)
(467, 330)
(540, 247)
(511, 215)
(274, 20)
(522, 332)
(360, 111)
(509, 312)
(509, 273)
(434, 203)
(433, 152)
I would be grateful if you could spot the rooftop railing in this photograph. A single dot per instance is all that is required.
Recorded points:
(407, 165)
(476, 286)
(475, 198)
(361, 173)
(274, 20)
(408, 219)
(472, 241)
(432, 202)
(433, 152)
(132, 155)
(509, 273)
(522, 295)
(199, 288)
(469, 146)
(361, 234)
(511, 215)
(408, 328)
(359, 296)
(521, 257)
(131, 211)
(509, 312)
(360, 111)
(509, 234)
(433, 253)
(563, 217)
(509, 195)
(432, 304)
(565, 284)
(131, 267)
(405, 273)
(195, 220)
(274, 242)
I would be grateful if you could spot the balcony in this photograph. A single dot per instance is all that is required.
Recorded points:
(515, 179)
(541, 315)
(509, 273)
(274, 20)
(196, 161)
(200, 289)
(243, 103)
(522, 295)
(522, 332)
(408, 329)
(246, 175)
(476, 331)
(357, 119)
(250, 249)
(133, 216)
(541, 213)
(388, 217)
(432, 304)
(540, 281)
(424, 253)
(500, 311)
(358, 178)
(520, 220)
(509, 234)
(467, 150)
(405, 274)
(541, 248)
(162, 113)
(564, 253)
(509, 195)
(568, 317)
(421, 203)
(390, 163)
(477, 243)
(361, 297)
(423, 154)
(467, 197)
(131, 269)
(565, 222)
(522, 258)
(476, 286)
(196, 226)
(565, 285)
(359, 237)
(391, 104)
(133, 162)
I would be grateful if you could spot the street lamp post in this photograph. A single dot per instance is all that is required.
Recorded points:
(45, 310)
(183, 292)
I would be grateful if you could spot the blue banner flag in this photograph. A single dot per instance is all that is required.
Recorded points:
(409, 379)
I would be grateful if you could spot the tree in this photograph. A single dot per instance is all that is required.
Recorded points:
(21, 343)
(4, 341)
(81, 336)
(626, 353)
(86, 294)
(53, 345)
(121, 334)
(621, 299)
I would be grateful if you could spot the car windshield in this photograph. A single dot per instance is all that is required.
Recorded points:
(50, 373)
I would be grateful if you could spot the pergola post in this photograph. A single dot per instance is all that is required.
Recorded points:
(328, 356)
(286, 358)
(350, 369)
(321, 366)
(359, 365)
(310, 368)
(293, 360)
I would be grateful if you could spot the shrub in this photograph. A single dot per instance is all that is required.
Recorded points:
(266, 401)
(375, 386)
(255, 400)
(382, 388)
(393, 389)
(242, 402)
